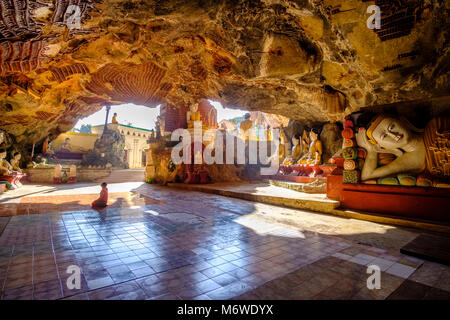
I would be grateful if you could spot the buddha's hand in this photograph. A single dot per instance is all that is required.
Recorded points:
(363, 142)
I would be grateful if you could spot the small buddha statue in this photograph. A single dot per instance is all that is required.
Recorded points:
(45, 145)
(192, 115)
(114, 119)
(66, 147)
(269, 133)
(296, 152)
(159, 127)
(5, 167)
(245, 127)
(2, 136)
(305, 142)
(286, 142)
(281, 150)
(15, 162)
(314, 154)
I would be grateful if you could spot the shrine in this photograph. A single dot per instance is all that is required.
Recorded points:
(215, 150)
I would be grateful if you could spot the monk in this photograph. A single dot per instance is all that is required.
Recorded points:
(102, 201)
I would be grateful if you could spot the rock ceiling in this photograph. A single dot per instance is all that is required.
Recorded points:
(312, 61)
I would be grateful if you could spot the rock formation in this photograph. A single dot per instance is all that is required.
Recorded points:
(310, 60)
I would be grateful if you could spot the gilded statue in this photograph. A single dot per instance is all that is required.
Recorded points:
(296, 152)
(245, 127)
(15, 162)
(114, 119)
(192, 115)
(315, 149)
(415, 150)
(305, 142)
(6, 168)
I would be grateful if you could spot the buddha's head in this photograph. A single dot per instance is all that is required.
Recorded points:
(305, 136)
(2, 137)
(388, 132)
(313, 135)
(194, 107)
(2, 154)
(17, 156)
(295, 140)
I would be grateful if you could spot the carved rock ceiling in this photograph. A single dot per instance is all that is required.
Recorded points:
(313, 61)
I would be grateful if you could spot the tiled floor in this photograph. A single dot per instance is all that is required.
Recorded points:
(188, 245)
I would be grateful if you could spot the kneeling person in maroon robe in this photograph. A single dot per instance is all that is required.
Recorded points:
(102, 201)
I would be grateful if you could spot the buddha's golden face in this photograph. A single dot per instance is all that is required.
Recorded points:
(391, 134)
(194, 107)
(2, 155)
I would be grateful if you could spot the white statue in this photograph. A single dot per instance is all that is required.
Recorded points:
(389, 135)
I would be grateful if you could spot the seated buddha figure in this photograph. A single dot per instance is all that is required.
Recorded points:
(246, 127)
(314, 154)
(15, 162)
(5, 167)
(305, 142)
(2, 136)
(415, 150)
(296, 152)
(192, 115)
(66, 147)
(114, 119)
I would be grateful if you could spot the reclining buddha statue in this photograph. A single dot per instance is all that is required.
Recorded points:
(417, 151)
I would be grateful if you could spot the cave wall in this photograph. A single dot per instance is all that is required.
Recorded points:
(312, 61)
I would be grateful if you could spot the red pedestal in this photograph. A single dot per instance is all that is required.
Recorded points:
(334, 187)
(406, 202)
(192, 177)
(56, 180)
(72, 180)
(204, 177)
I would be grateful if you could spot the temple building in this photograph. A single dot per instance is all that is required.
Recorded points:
(300, 150)
(136, 141)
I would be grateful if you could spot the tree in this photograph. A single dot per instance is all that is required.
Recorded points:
(86, 128)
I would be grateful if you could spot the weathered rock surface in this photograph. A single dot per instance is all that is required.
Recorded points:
(312, 61)
(331, 139)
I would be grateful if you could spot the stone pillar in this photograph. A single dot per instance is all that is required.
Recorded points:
(57, 174)
(72, 174)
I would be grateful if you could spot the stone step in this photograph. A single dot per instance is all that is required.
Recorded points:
(126, 175)
(318, 186)
(266, 193)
